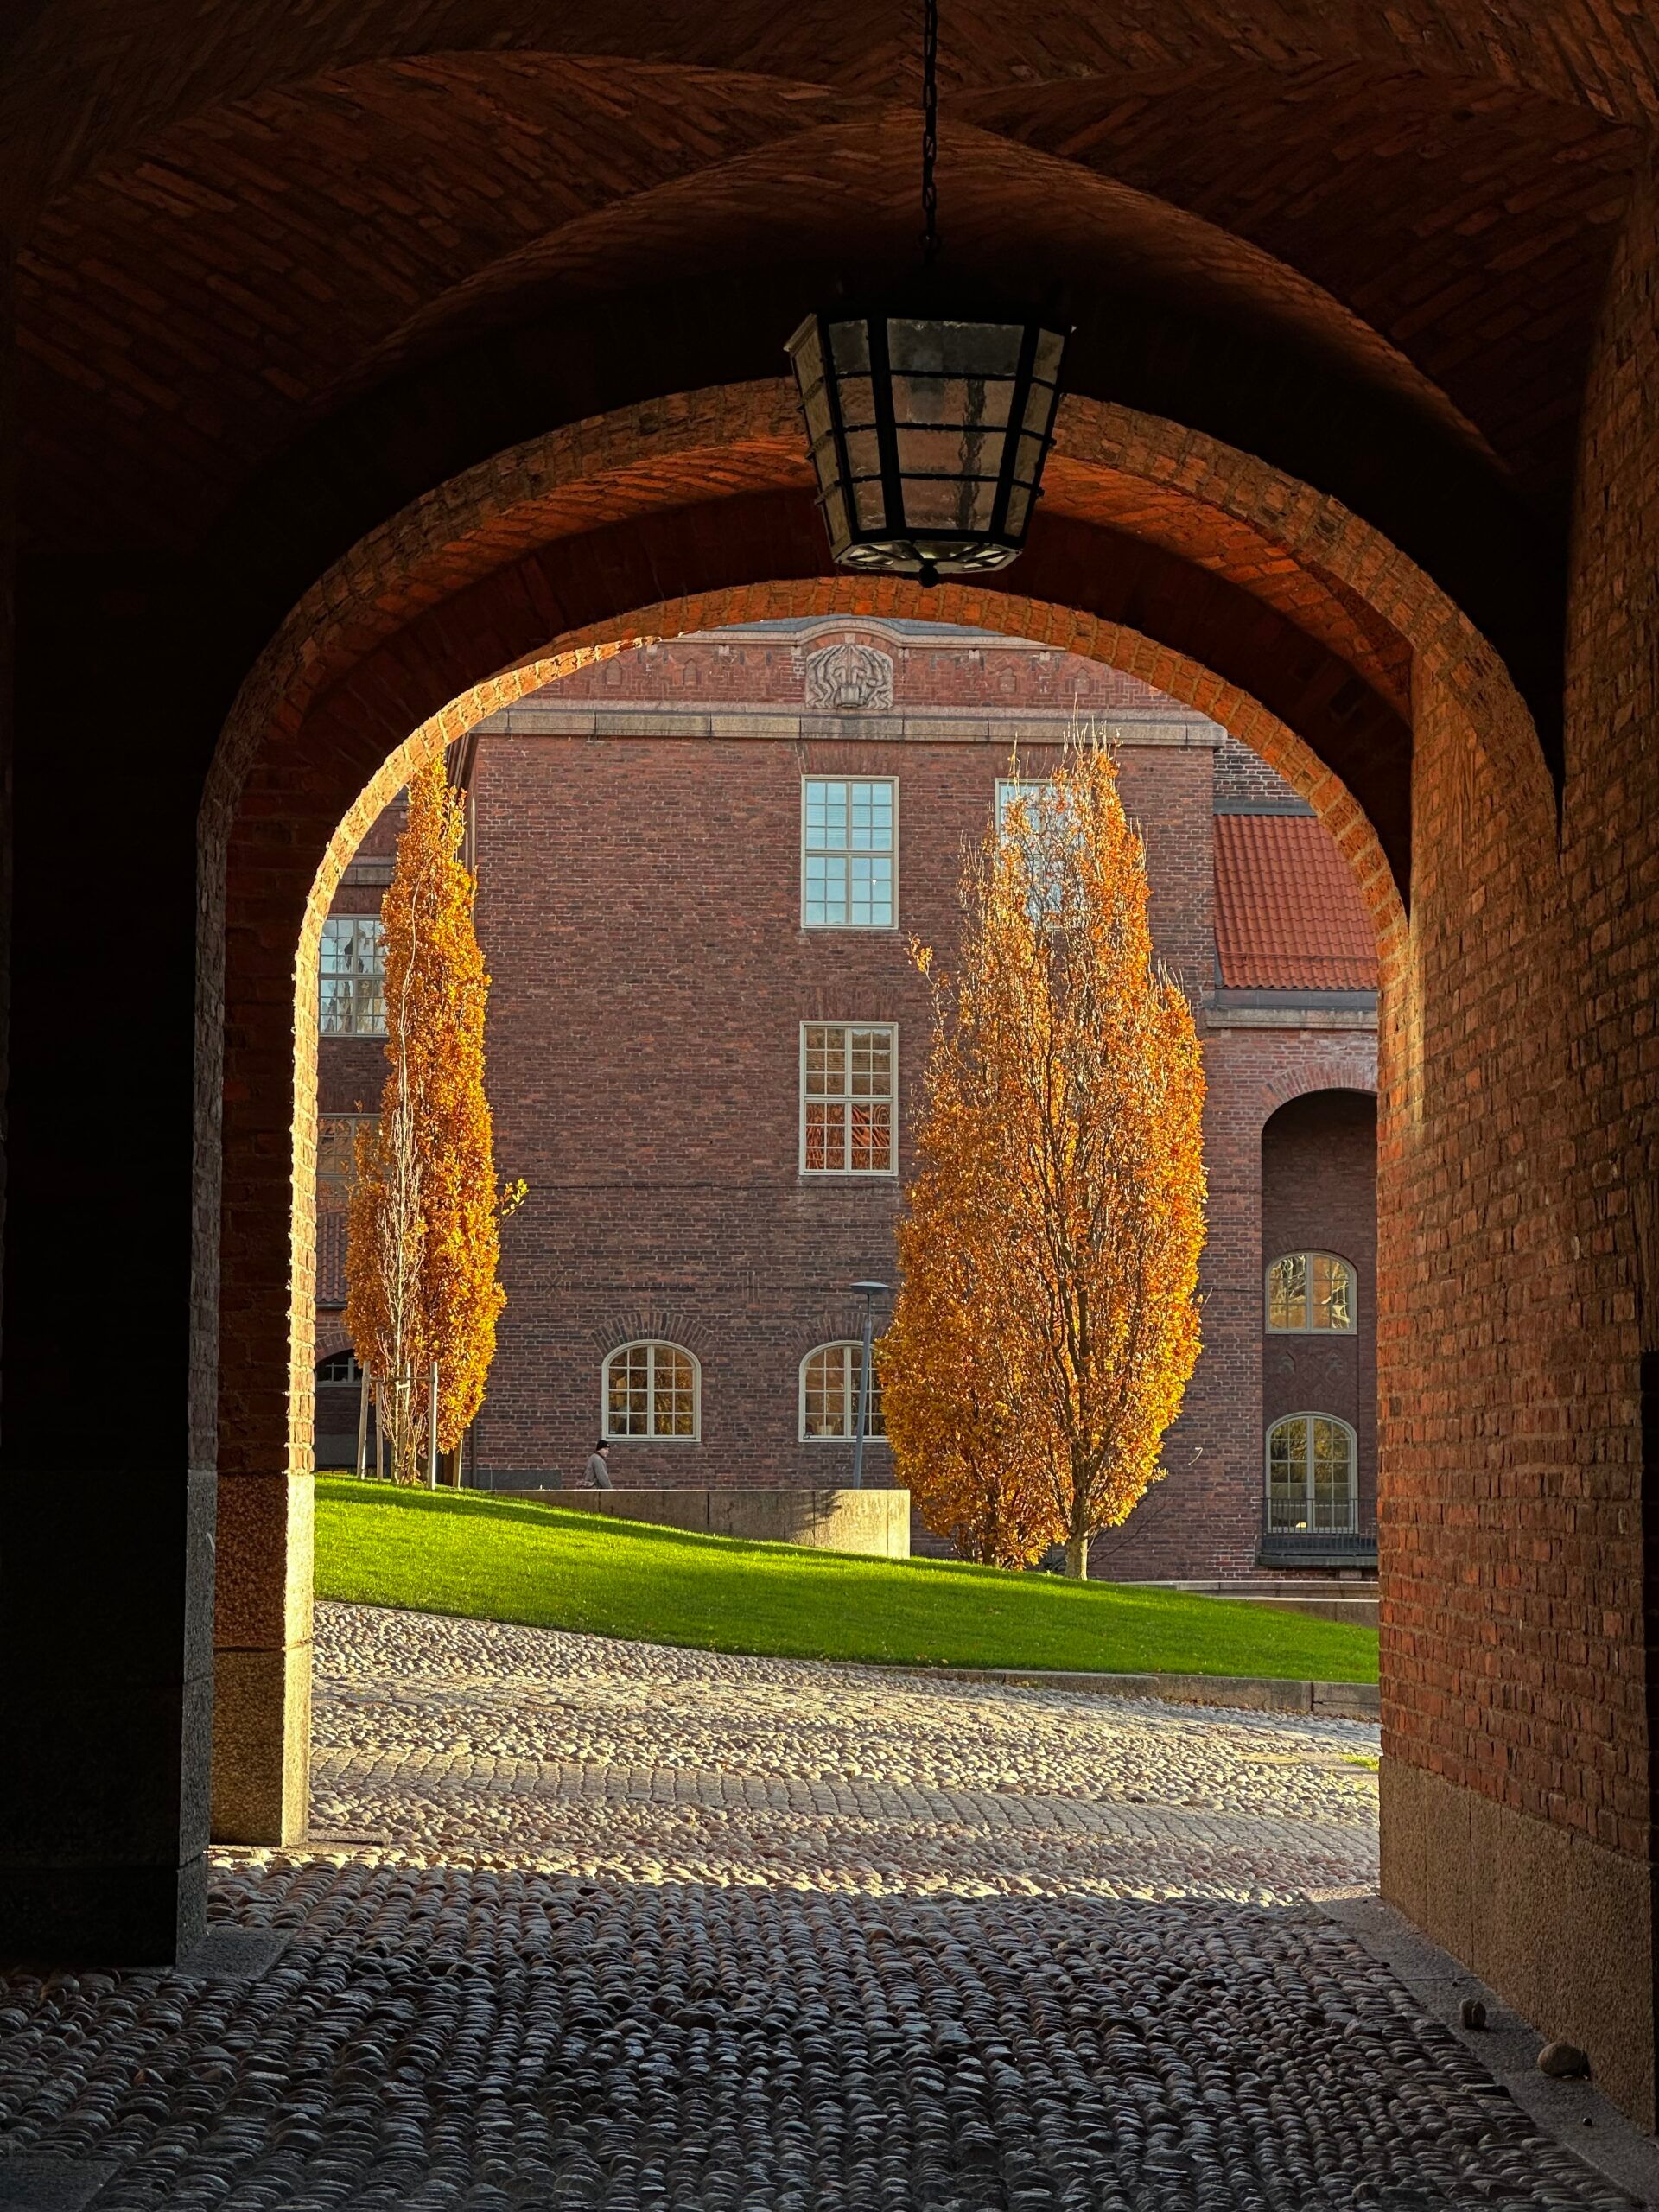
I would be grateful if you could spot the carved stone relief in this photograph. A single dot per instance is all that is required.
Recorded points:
(849, 677)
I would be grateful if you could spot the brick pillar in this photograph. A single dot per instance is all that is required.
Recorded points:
(106, 1473)
(1515, 1782)
(262, 1635)
(266, 836)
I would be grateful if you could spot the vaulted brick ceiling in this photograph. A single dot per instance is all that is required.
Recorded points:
(282, 269)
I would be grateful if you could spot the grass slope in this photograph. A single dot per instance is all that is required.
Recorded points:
(490, 1559)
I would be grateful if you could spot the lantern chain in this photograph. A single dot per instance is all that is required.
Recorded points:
(930, 129)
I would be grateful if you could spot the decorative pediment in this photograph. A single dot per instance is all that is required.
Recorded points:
(848, 676)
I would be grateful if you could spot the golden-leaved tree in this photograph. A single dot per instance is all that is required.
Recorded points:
(1047, 1321)
(422, 1242)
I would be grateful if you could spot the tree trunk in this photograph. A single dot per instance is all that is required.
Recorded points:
(1077, 1558)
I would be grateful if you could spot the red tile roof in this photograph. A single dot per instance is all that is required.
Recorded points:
(1288, 913)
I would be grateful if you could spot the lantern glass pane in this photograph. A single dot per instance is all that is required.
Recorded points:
(1051, 344)
(1039, 409)
(872, 506)
(815, 402)
(849, 346)
(809, 355)
(1018, 508)
(857, 396)
(863, 452)
(1028, 464)
(946, 503)
(951, 399)
(953, 453)
(838, 519)
(972, 349)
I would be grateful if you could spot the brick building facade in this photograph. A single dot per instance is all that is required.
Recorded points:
(680, 943)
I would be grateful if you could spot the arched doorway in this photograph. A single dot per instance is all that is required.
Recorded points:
(302, 706)
(1318, 1330)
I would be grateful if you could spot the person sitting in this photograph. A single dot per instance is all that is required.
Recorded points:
(598, 1476)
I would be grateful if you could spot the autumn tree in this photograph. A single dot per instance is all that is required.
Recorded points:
(422, 1242)
(1047, 1322)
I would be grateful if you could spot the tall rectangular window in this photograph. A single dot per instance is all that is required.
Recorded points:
(848, 852)
(1046, 855)
(848, 1086)
(337, 1158)
(352, 998)
(1031, 791)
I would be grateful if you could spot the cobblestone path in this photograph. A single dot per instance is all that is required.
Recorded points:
(596, 1924)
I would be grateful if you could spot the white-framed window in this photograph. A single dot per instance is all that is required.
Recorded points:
(1312, 1469)
(829, 1377)
(1012, 790)
(1044, 859)
(849, 845)
(352, 994)
(1311, 1293)
(337, 1158)
(653, 1394)
(339, 1367)
(850, 1075)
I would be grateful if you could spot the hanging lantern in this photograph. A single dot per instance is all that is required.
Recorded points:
(928, 432)
(928, 420)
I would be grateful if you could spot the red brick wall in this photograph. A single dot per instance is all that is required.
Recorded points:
(1204, 1518)
(1521, 1127)
(1516, 1147)
(1517, 1142)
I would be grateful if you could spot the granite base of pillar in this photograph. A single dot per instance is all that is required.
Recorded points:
(1560, 1927)
(261, 1660)
(262, 1745)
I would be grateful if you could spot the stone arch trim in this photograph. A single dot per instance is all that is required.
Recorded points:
(1331, 1070)
(651, 1324)
(835, 1323)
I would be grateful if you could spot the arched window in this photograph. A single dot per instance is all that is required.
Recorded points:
(339, 1367)
(1310, 1290)
(653, 1392)
(1312, 1464)
(830, 1395)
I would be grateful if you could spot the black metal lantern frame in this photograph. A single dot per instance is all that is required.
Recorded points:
(928, 427)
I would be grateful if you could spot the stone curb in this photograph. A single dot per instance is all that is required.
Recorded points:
(1248, 1693)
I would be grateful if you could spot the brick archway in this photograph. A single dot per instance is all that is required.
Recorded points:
(1207, 574)
(1333, 1070)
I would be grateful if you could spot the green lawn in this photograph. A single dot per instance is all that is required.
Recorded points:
(492, 1559)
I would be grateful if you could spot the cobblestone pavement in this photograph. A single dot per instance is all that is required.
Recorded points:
(597, 1924)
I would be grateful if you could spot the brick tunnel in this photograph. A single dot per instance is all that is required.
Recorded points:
(368, 367)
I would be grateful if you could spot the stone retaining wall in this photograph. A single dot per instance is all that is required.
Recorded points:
(875, 1523)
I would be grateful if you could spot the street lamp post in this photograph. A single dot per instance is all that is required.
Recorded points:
(870, 1292)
